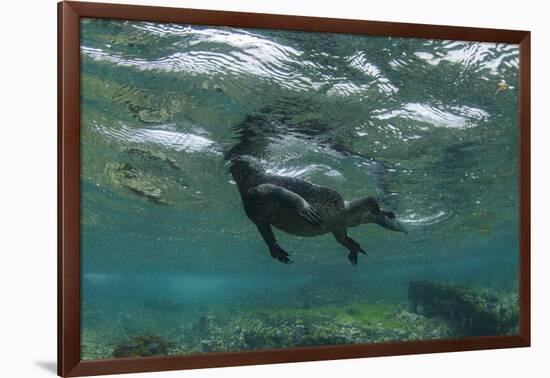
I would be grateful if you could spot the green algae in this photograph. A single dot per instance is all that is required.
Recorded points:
(359, 313)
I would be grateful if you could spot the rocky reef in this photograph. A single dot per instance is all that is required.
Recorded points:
(469, 312)
(269, 328)
(434, 311)
(235, 329)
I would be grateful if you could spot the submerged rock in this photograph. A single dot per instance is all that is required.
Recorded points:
(142, 346)
(136, 181)
(146, 173)
(471, 312)
(147, 106)
(203, 325)
(148, 159)
(153, 116)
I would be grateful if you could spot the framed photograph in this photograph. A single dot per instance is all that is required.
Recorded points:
(239, 188)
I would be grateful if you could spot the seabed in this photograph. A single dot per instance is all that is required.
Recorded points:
(163, 327)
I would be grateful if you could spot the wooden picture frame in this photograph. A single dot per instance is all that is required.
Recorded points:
(69, 15)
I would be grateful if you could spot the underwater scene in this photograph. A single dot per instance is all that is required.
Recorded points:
(249, 189)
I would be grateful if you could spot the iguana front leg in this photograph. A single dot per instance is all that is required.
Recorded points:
(257, 204)
(266, 192)
(276, 251)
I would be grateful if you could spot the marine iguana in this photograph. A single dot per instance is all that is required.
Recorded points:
(301, 208)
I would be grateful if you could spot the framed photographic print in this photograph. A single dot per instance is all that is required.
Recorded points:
(239, 188)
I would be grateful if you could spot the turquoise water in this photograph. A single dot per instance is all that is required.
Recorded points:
(172, 265)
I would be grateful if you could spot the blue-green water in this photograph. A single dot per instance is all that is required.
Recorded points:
(428, 127)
